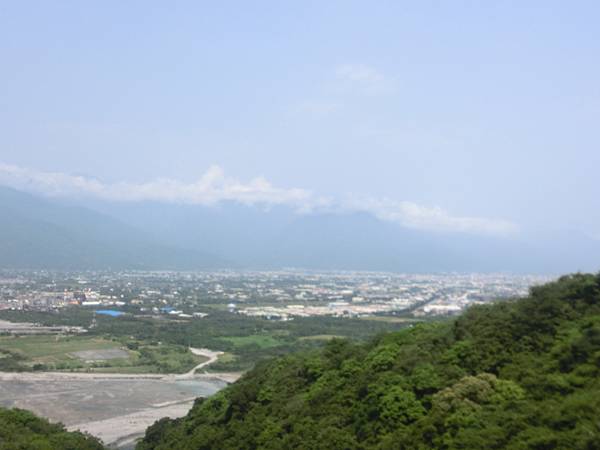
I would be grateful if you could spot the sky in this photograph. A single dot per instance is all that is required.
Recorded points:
(464, 115)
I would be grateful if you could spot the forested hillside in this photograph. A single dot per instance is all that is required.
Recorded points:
(519, 374)
(22, 430)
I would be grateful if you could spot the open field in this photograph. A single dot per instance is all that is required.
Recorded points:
(54, 348)
(101, 355)
(262, 341)
(89, 354)
(320, 337)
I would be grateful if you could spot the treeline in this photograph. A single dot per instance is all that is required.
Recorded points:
(22, 430)
(210, 332)
(519, 374)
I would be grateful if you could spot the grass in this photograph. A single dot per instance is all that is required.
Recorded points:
(262, 341)
(226, 357)
(222, 361)
(320, 337)
(126, 369)
(51, 352)
(53, 349)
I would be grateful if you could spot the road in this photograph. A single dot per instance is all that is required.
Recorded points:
(211, 355)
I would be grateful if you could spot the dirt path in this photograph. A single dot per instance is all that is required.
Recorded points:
(211, 355)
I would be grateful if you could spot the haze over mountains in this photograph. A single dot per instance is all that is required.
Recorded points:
(37, 232)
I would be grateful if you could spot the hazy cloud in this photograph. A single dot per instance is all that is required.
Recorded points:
(214, 186)
(434, 218)
(211, 188)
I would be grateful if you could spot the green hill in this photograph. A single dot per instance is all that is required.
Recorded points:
(517, 374)
(21, 430)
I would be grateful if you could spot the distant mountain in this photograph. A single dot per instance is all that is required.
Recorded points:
(37, 232)
(278, 237)
(40, 233)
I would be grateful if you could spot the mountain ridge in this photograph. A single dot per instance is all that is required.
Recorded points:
(39, 233)
(259, 238)
(151, 235)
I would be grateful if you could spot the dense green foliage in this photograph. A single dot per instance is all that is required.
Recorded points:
(21, 430)
(517, 374)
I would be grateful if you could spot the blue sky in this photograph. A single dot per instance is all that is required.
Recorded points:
(487, 111)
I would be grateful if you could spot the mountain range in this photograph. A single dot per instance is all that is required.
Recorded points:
(39, 232)
(36, 233)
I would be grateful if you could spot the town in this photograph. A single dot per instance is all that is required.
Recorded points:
(276, 295)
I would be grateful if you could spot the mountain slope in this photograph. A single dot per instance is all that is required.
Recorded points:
(520, 374)
(38, 233)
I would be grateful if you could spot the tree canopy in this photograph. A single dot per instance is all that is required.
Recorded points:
(22, 430)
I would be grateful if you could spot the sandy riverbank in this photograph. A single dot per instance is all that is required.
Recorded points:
(115, 407)
(121, 431)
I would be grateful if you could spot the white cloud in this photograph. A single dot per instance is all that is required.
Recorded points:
(211, 188)
(364, 78)
(214, 187)
(434, 218)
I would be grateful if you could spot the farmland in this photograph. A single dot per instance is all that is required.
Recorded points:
(95, 354)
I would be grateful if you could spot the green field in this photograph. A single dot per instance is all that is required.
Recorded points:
(53, 348)
(320, 337)
(52, 352)
(226, 358)
(262, 341)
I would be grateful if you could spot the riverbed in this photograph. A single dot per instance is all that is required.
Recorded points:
(116, 409)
